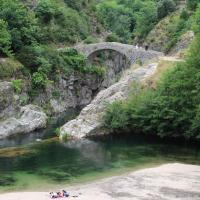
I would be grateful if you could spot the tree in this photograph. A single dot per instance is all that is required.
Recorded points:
(21, 21)
(45, 10)
(5, 38)
(196, 21)
(192, 4)
(116, 17)
(145, 19)
(165, 7)
(74, 4)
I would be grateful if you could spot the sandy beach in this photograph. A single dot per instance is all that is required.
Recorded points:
(166, 182)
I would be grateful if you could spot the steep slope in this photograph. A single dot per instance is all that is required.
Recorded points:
(170, 33)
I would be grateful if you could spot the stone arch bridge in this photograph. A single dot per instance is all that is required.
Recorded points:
(132, 53)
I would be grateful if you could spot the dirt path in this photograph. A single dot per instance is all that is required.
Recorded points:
(172, 59)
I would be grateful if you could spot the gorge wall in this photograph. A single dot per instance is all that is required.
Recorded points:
(76, 90)
(25, 111)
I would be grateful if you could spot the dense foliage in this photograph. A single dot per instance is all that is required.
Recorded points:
(173, 109)
(192, 4)
(5, 38)
(133, 19)
(31, 31)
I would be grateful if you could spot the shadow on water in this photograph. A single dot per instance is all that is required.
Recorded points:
(50, 163)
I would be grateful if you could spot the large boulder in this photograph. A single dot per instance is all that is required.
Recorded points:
(31, 117)
(89, 121)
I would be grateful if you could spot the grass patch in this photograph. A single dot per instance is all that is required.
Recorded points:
(163, 66)
(9, 67)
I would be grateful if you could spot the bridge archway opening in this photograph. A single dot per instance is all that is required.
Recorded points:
(109, 58)
(114, 61)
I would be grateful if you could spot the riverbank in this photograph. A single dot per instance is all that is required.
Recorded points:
(168, 181)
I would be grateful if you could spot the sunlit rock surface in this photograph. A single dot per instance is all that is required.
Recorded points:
(89, 120)
(167, 182)
(31, 117)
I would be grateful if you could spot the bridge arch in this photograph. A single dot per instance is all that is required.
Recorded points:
(131, 53)
(90, 49)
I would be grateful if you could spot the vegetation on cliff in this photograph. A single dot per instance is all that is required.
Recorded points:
(173, 109)
(31, 32)
(132, 20)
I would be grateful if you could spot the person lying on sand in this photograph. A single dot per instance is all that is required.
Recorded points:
(61, 194)
(53, 195)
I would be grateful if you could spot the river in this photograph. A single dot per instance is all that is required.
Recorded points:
(39, 161)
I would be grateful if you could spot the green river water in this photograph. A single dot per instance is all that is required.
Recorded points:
(27, 164)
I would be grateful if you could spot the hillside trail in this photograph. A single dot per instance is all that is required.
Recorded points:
(172, 58)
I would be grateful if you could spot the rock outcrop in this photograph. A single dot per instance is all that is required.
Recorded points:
(78, 89)
(31, 117)
(160, 39)
(89, 120)
(184, 42)
(8, 100)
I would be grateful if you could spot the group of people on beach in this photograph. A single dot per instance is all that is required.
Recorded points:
(60, 194)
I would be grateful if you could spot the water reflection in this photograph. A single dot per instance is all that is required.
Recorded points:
(50, 162)
(90, 150)
(36, 136)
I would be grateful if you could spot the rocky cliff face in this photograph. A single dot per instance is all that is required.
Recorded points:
(89, 120)
(8, 100)
(13, 117)
(184, 42)
(78, 89)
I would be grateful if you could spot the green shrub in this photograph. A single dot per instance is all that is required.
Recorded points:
(64, 136)
(184, 14)
(57, 132)
(139, 62)
(78, 62)
(113, 38)
(67, 26)
(196, 21)
(165, 7)
(39, 80)
(116, 117)
(99, 70)
(192, 4)
(45, 10)
(56, 94)
(77, 5)
(29, 56)
(18, 85)
(5, 39)
(90, 40)
(9, 67)
(21, 21)
(24, 99)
